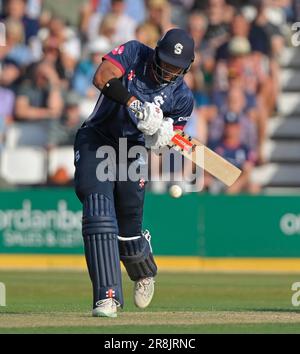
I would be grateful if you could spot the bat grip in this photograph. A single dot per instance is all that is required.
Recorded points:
(138, 113)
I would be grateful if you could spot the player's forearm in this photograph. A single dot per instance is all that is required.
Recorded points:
(107, 80)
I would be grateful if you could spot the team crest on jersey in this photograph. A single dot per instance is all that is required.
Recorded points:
(158, 100)
(118, 50)
(131, 75)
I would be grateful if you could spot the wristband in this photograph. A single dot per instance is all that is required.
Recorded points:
(116, 91)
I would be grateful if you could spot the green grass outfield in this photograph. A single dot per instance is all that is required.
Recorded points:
(59, 302)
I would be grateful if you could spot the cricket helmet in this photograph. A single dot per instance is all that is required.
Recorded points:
(175, 48)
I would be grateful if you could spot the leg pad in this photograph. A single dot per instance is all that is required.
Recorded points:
(99, 229)
(136, 255)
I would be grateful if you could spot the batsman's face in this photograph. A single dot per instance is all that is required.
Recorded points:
(166, 73)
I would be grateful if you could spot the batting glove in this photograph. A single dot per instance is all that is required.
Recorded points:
(162, 137)
(150, 117)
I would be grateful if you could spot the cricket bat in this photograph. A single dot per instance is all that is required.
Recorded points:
(203, 157)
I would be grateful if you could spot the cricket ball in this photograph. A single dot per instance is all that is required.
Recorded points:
(175, 191)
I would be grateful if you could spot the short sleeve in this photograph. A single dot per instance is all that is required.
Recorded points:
(183, 109)
(124, 55)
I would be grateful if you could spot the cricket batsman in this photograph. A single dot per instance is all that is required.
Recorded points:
(135, 81)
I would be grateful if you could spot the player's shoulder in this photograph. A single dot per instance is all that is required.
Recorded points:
(182, 91)
(138, 47)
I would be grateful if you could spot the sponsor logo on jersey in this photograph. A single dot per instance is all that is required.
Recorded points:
(183, 119)
(118, 50)
(131, 75)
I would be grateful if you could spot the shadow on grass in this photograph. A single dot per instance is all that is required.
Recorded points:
(274, 310)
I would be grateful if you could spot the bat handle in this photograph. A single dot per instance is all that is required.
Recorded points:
(138, 114)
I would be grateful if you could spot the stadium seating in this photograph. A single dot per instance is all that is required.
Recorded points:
(282, 149)
(61, 157)
(24, 165)
(27, 134)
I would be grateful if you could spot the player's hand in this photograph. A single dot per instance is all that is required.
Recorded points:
(162, 137)
(136, 106)
(151, 117)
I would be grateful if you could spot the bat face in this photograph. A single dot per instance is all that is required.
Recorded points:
(205, 158)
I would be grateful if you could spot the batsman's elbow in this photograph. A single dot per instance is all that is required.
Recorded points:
(98, 81)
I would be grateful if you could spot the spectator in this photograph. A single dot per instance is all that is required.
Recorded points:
(9, 75)
(15, 49)
(16, 10)
(56, 30)
(123, 25)
(52, 55)
(84, 73)
(147, 34)
(265, 37)
(240, 27)
(40, 98)
(34, 9)
(244, 70)
(107, 30)
(134, 9)
(70, 54)
(296, 10)
(196, 126)
(232, 149)
(159, 15)
(197, 26)
(63, 131)
(219, 15)
(180, 11)
(235, 111)
(204, 110)
(267, 42)
(239, 64)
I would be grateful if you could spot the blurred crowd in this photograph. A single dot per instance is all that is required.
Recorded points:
(47, 66)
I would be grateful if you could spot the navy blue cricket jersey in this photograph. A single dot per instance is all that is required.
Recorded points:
(116, 121)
